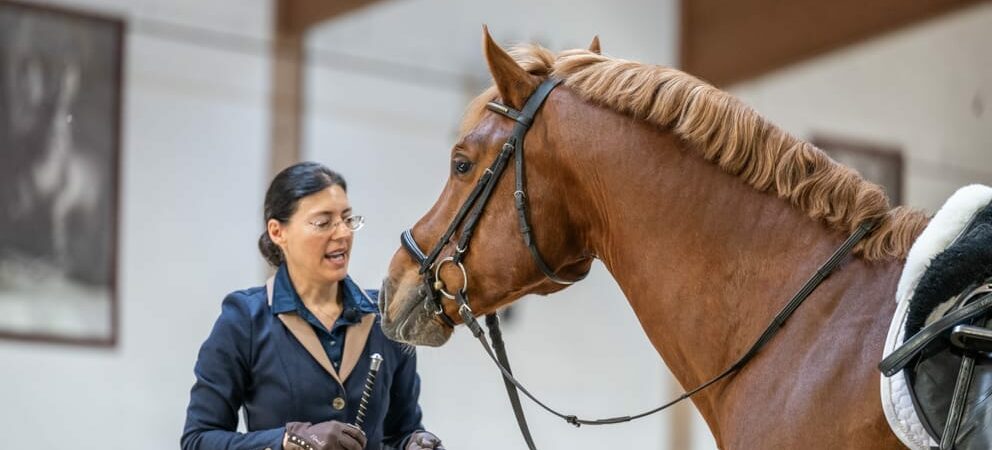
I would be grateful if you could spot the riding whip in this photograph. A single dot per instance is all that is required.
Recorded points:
(363, 405)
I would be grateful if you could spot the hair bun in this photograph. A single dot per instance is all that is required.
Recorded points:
(270, 251)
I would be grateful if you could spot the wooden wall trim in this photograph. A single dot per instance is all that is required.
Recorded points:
(286, 100)
(293, 18)
(300, 15)
(725, 42)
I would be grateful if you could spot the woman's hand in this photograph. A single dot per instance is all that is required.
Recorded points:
(424, 440)
(330, 435)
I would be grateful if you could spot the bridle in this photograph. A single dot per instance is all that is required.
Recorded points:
(468, 217)
(470, 212)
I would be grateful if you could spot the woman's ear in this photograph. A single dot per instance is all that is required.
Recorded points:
(276, 233)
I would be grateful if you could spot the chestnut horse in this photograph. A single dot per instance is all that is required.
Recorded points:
(708, 217)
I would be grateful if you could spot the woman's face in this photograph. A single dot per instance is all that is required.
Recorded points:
(315, 240)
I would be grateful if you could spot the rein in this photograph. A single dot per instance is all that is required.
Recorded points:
(470, 212)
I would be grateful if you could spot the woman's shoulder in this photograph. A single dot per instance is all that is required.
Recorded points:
(250, 302)
(254, 296)
(241, 313)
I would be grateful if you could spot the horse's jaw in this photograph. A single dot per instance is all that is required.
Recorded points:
(406, 320)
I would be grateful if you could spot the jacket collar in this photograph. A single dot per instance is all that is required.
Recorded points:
(285, 298)
(282, 302)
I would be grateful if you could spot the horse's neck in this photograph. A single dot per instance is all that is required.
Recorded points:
(704, 259)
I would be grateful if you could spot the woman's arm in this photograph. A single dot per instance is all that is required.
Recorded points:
(222, 372)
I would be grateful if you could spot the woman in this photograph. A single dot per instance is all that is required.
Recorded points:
(295, 354)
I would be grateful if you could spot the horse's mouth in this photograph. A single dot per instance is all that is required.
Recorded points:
(405, 319)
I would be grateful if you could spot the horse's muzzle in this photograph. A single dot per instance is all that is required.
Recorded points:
(405, 319)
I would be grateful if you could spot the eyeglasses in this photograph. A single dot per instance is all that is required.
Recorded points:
(322, 225)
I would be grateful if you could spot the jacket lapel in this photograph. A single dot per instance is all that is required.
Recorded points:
(354, 343)
(306, 336)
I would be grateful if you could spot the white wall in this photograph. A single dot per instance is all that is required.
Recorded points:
(388, 125)
(927, 89)
(195, 141)
(194, 171)
(195, 124)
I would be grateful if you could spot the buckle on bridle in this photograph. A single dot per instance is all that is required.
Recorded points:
(465, 311)
(469, 318)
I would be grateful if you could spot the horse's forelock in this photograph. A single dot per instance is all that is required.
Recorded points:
(476, 108)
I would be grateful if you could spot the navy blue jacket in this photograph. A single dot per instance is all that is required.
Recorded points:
(252, 360)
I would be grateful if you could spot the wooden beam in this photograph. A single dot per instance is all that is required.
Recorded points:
(725, 42)
(293, 18)
(286, 101)
(299, 15)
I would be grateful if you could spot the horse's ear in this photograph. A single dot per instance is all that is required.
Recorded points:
(513, 82)
(594, 47)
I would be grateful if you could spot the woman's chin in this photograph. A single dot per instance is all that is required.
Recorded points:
(334, 271)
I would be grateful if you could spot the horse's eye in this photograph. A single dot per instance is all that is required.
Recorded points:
(461, 166)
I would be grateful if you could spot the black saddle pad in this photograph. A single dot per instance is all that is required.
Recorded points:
(933, 375)
(966, 261)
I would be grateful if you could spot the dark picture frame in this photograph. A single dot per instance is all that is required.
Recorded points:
(60, 151)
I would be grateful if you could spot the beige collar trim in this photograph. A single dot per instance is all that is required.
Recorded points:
(354, 343)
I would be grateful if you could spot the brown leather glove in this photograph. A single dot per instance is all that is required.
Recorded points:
(424, 440)
(330, 435)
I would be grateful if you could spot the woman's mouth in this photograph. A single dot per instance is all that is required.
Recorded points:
(336, 257)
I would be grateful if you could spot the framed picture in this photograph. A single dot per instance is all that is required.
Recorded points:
(60, 107)
(880, 164)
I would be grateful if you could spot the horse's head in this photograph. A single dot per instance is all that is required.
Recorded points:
(448, 252)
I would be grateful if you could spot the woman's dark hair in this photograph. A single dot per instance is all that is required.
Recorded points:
(283, 197)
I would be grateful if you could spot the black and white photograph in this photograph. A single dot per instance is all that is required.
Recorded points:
(59, 141)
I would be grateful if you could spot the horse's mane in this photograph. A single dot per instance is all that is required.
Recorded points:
(732, 135)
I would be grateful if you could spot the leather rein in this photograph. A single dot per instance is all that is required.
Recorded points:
(468, 217)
